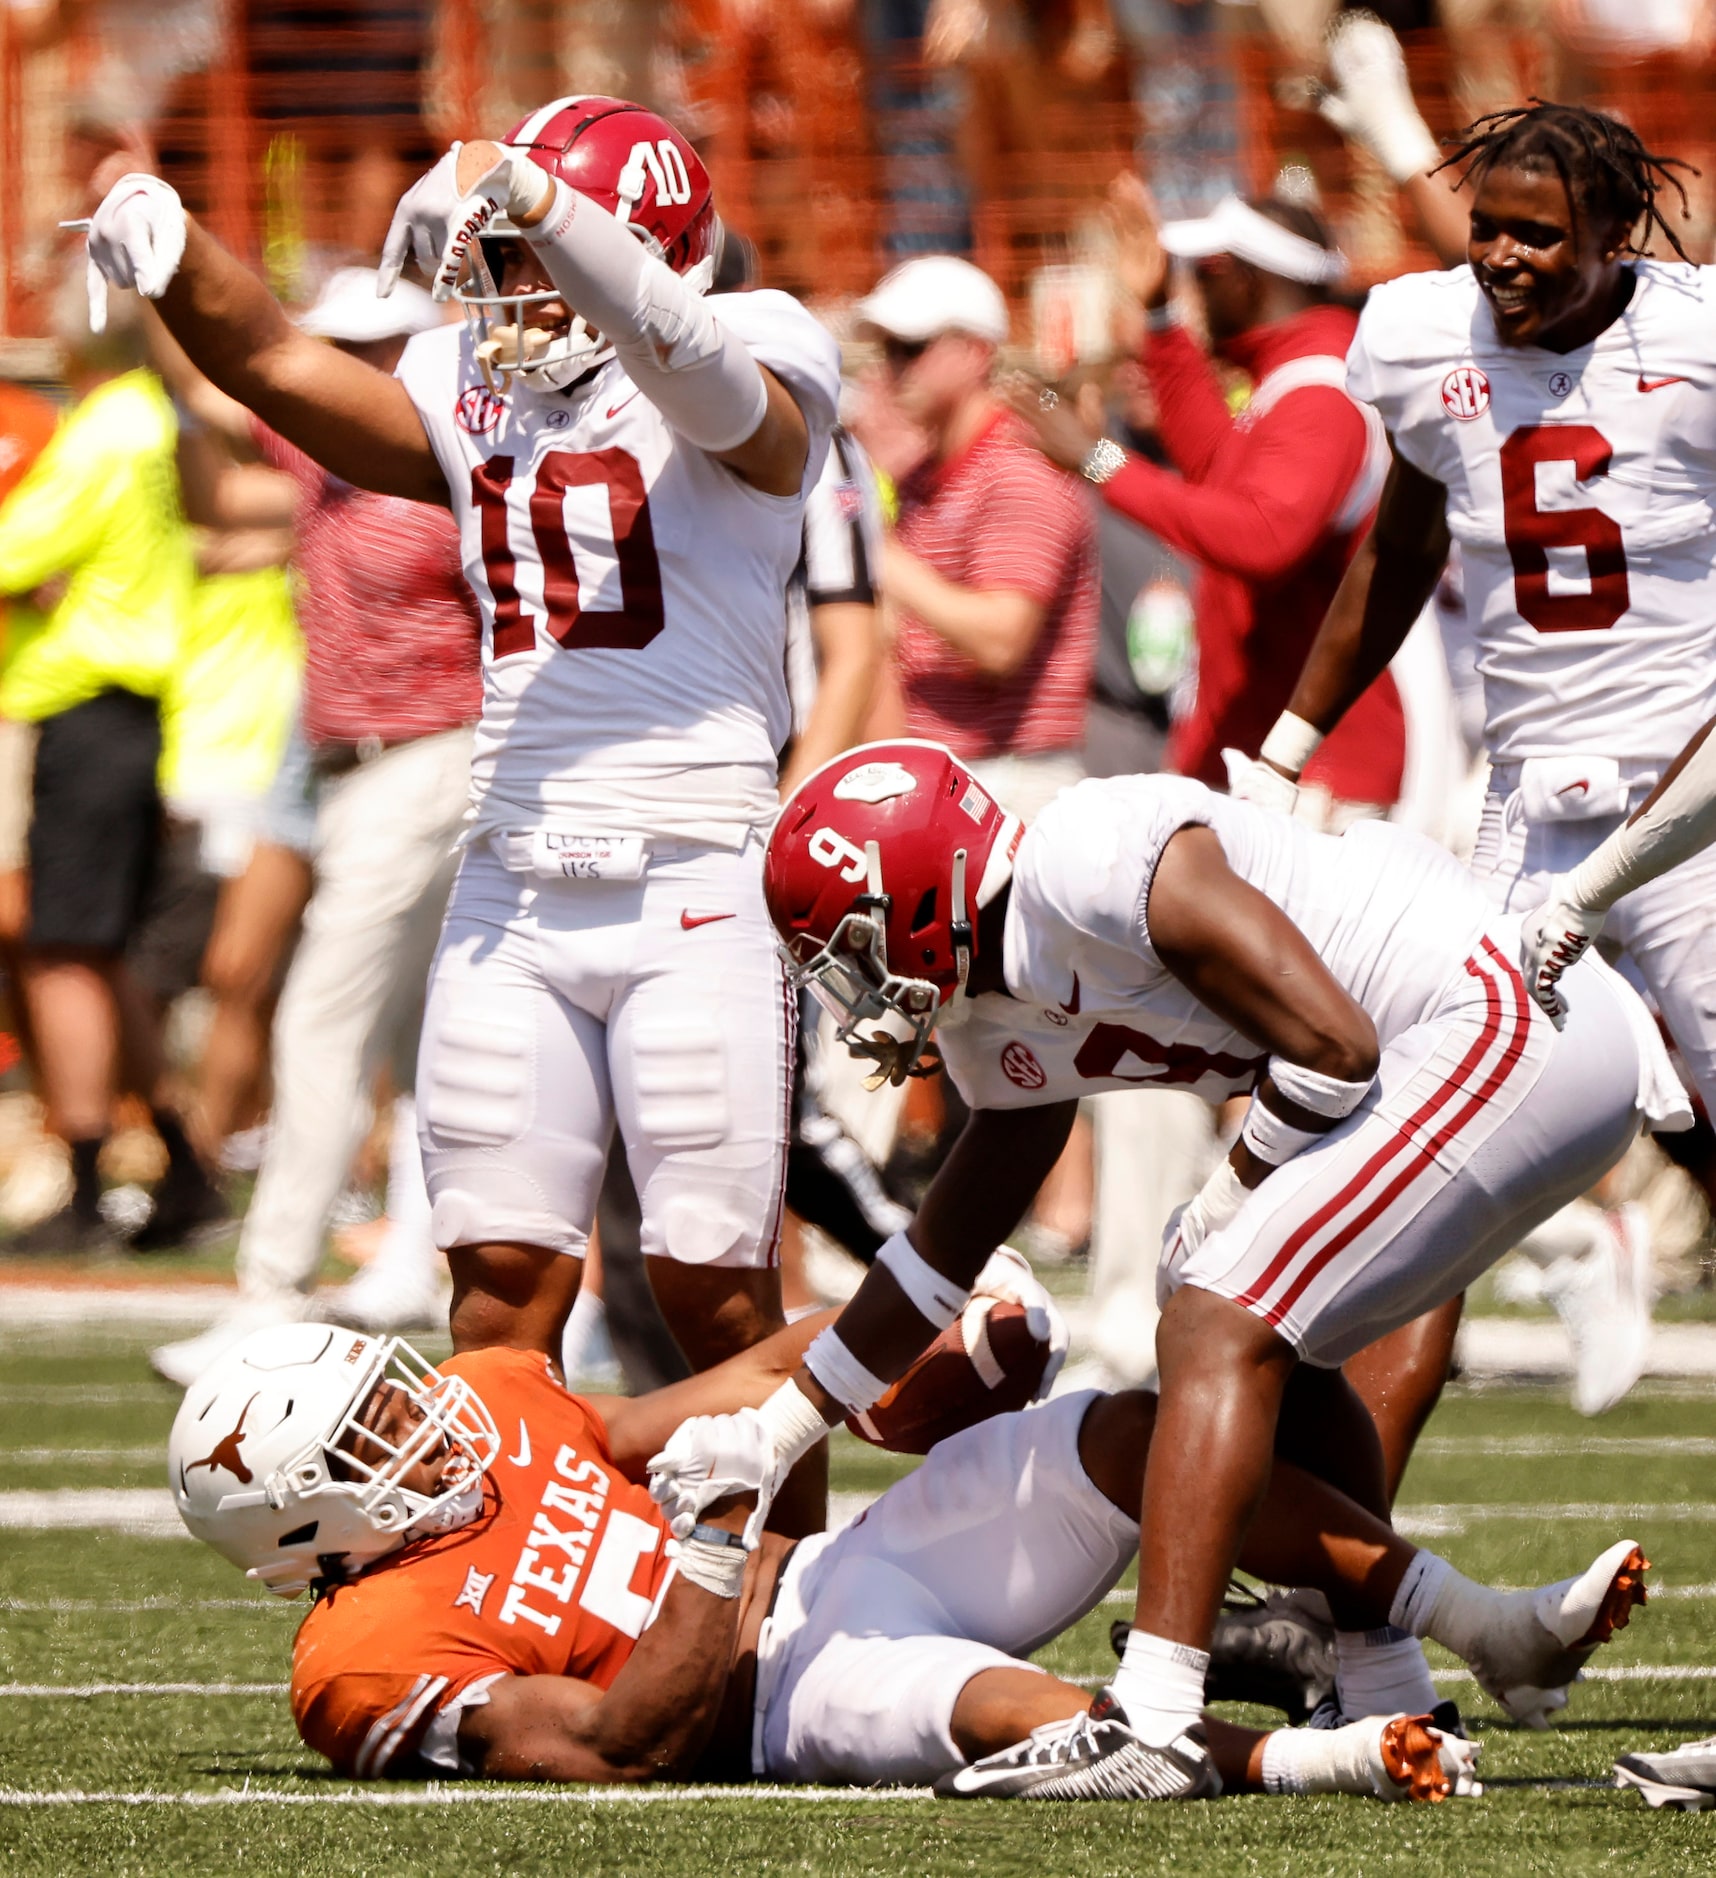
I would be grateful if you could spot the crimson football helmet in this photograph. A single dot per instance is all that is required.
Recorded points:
(637, 167)
(876, 870)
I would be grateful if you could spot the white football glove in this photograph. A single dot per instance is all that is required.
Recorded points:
(1369, 97)
(1552, 937)
(1007, 1275)
(1209, 1209)
(1250, 779)
(437, 221)
(710, 1458)
(136, 239)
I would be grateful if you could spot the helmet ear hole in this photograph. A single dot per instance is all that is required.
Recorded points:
(925, 914)
(300, 1535)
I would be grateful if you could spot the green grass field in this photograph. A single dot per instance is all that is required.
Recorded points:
(210, 1778)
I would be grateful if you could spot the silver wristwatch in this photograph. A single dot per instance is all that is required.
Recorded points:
(1101, 461)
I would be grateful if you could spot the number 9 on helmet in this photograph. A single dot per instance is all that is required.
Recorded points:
(877, 868)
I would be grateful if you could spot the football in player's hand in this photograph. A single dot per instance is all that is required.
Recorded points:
(985, 1363)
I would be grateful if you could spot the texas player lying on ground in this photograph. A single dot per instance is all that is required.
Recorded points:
(627, 461)
(1413, 1113)
(1549, 408)
(497, 1596)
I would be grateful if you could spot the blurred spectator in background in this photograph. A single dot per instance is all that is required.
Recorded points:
(1272, 503)
(95, 534)
(992, 572)
(992, 580)
(391, 689)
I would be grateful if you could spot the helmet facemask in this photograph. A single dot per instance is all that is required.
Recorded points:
(506, 344)
(363, 1472)
(849, 977)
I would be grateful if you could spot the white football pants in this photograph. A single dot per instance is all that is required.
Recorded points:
(994, 1545)
(559, 1007)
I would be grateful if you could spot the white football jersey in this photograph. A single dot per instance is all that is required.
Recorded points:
(1582, 492)
(1393, 917)
(633, 588)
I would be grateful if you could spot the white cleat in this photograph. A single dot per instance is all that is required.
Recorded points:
(1683, 1779)
(1404, 1757)
(1093, 1756)
(385, 1298)
(1536, 1642)
(1604, 1298)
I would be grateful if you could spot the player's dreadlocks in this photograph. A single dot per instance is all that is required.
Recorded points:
(1602, 162)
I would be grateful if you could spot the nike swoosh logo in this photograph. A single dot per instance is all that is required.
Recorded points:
(689, 921)
(1645, 384)
(1071, 1005)
(522, 1457)
(615, 409)
(1582, 787)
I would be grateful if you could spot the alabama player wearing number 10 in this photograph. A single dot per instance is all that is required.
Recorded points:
(1550, 410)
(627, 461)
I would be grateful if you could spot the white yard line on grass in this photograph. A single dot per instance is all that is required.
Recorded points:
(463, 1796)
(76, 1394)
(129, 1457)
(82, 1691)
(1506, 1447)
(160, 1604)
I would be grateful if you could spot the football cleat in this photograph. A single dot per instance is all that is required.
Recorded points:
(1405, 1762)
(1536, 1642)
(1093, 1756)
(1682, 1779)
(1455, 1749)
(1275, 1651)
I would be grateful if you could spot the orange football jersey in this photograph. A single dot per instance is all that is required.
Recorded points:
(558, 1577)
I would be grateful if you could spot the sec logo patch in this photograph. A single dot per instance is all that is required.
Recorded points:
(1465, 393)
(477, 410)
(1019, 1066)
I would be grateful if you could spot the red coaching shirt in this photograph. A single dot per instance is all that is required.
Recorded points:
(1000, 515)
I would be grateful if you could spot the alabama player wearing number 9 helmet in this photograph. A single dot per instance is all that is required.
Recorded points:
(627, 458)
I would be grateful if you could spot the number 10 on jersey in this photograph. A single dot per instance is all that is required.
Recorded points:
(538, 499)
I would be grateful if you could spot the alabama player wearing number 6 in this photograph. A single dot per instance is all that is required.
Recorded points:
(1550, 409)
(627, 461)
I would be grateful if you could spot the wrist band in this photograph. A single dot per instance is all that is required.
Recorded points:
(794, 1425)
(1291, 743)
(841, 1374)
(932, 1294)
(1270, 1138)
(1157, 319)
(714, 1561)
(1310, 1089)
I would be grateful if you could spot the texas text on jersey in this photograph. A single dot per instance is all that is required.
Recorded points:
(631, 587)
(558, 1577)
(1582, 492)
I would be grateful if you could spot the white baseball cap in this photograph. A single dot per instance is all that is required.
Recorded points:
(349, 308)
(1234, 227)
(935, 294)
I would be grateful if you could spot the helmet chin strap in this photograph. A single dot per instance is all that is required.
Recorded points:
(959, 927)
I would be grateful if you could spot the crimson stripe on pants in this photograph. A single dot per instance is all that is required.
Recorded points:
(1422, 1152)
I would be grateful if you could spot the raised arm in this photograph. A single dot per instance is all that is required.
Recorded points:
(355, 421)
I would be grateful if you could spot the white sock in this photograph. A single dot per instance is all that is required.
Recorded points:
(1325, 1760)
(584, 1345)
(1436, 1601)
(1573, 1233)
(1382, 1672)
(1160, 1685)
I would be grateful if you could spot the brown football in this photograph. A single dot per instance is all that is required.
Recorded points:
(985, 1363)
